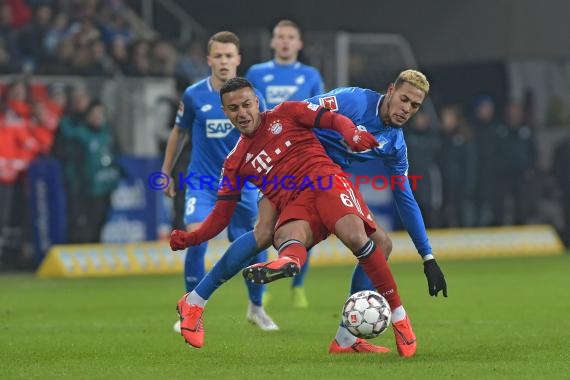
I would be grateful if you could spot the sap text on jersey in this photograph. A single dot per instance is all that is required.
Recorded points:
(279, 94)
(218, 128)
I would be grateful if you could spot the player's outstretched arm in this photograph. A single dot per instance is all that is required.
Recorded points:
(314, 116)
(412, 220)
(357, 140)
(218, 219)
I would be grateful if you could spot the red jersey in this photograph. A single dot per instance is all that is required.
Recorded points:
(281, 157)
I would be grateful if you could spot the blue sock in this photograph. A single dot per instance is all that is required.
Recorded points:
(299, 280)
(360, 280)
(236, 257)
(194, 267)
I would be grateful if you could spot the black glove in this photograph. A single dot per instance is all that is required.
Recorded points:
(435, 278)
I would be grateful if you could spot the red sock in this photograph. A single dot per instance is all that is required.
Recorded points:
(374, 264)
(295, 250)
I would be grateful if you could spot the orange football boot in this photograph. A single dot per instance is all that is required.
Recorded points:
(405, 337)
(360, 346)
(191, 323)
(264, 273)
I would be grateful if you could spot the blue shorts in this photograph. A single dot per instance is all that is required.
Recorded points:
(200, 203)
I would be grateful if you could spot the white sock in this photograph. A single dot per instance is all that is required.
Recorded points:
(254, 308)
(195, 299)
(398, 314)
(344, 338)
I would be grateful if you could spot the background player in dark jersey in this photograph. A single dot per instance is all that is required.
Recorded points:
(212, 137)
(275, 145)
(285, 78)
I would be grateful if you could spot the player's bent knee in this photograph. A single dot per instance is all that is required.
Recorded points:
(350, 230)
(387, 247)
(297, 230)
(383, 241)
(354, 240)
(263, 236)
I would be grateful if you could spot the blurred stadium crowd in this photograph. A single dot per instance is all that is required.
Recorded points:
(478, 166)
(88, 38)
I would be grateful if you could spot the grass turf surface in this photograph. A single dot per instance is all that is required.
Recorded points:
(504, 318)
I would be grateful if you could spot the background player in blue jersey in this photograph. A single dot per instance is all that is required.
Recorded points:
(212, 137)
(285, 78)
(383, 116)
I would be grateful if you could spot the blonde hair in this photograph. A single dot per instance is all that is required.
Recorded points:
(413, 77)
(223, 37)
(284, 23)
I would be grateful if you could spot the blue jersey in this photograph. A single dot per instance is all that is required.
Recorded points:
(362, 106)
(213, 135)
(278, 82)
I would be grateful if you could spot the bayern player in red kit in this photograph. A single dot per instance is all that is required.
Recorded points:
(278, 152)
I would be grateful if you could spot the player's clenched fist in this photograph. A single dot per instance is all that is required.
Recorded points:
(361, 141)
(181, 240)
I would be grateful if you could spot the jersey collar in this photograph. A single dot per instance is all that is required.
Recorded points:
(209, 84)
(378, 104)
(380, 99)
(295, 64)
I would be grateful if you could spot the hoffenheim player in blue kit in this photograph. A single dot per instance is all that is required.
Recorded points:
(213, 136)
(285, 78)
(383, 116)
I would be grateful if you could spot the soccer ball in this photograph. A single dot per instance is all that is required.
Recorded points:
(366, 314)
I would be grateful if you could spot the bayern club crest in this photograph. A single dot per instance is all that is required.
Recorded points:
(276, 127)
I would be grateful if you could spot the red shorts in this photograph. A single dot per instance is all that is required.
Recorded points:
(323, 208)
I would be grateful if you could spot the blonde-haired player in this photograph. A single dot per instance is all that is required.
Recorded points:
(383, 115)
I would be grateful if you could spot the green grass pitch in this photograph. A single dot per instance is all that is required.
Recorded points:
(503, 319)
